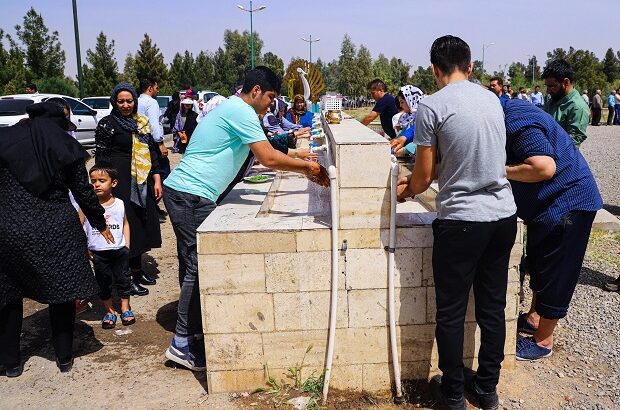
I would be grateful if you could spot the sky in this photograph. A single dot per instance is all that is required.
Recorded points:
(403, 29)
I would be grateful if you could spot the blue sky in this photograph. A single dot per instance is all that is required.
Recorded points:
(404, 29)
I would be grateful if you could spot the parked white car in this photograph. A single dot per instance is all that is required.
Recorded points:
(102, 105)
(206, 95)
(13, 109)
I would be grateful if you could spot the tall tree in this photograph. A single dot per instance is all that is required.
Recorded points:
(347, 72)
(13, 71)
(424, 79)
(182, 71)
(237, 48)
(204, 70)
(610, 66)
(587, 69)
(102, 75)
(225, 74)
(558, 53)
(381, 69)
(44, 55)
(400, 71)
(363, 63)
(274, 62)
(477, 70)
(129, 71)
(149, 62)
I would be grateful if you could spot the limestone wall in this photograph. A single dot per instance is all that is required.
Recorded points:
(265, 292)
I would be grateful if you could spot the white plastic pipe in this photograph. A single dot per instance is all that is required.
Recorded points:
(333, 306)
(391, 308)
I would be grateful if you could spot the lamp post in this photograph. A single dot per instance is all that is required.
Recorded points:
(77, 49)
(251, 11)
(484, 47)
(310, 41)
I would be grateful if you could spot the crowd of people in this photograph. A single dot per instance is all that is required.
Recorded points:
(496, 158)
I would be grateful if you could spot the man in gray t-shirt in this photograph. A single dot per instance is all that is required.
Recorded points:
(465, 123)
(461, 138)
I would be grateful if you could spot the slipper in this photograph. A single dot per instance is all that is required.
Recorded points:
(105, 322)
(128, 318)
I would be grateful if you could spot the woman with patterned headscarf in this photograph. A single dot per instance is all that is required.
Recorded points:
(298, 113)
(124, 139)
(409, 97)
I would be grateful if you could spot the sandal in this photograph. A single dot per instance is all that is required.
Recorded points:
(128, 318)
(108, 321)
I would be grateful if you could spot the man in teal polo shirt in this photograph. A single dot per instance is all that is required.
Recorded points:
(218, 148)
(566, 106)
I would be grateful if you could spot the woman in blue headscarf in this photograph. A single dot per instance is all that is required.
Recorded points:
(124, 139)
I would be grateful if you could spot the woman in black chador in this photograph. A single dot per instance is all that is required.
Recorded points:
(43, 253)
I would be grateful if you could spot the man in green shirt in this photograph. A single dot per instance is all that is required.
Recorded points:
(566, 106)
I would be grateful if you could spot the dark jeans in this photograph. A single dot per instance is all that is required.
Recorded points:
(164, 164)
(62, 319)
(466, 254)
(596, 116)
(617, 119)
(112, 268)
(555, 262)
(611, 115)
(187, 212)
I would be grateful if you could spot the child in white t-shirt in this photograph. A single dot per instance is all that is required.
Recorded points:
(110, 260)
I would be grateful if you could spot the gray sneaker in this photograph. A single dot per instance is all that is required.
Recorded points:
(184, 357)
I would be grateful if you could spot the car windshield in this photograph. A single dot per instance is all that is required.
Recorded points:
(162, 101)
(97, 103)
(10, 107)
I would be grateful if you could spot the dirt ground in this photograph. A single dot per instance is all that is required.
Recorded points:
(131, 370)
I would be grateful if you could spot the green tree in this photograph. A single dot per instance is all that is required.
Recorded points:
(44, 56)
(424, 79)
(328, 71)
(129, 71)
(13, 72)
(274, 62)
(225, 74)
(587, 69)
(149, 62)
(363, 63)
(237, 48)
(557, 54)
(399, 70)
(58, 85)
(347, 73)
(610, 66)
(477, 70)
(182, 73)
(204, 70)
(516, 72)
(381, 69)
(102, 75)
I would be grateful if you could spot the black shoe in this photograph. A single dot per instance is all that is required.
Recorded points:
(137, 290)
(145, 279)
(442, 401)
(14, 371)
(486, 401)
(65, 367)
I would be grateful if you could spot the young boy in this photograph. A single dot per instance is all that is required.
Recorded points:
(110, 260)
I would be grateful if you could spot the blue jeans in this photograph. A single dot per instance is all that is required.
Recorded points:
(187, 212)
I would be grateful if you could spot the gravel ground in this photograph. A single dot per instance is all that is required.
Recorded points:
(602, 149)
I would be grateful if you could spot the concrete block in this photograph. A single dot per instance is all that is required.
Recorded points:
(314, 240)
(361, 346)
(513, 275)
(415, 237)
(299, 272)
(380, 376)
(286, 349)
(240, 351)
(369, 307)
(347, 377)
(246, 242)
(510, 347)
(431, 304)
(364, 238)
(415, 342)
(362, 208)
(427, 267)
(364, 166)
(367, 268)
(232, 273)
(308, 310)
(238, 313)
(235, 380)
(515, 255)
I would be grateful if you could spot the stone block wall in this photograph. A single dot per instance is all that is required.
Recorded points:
(265, 294)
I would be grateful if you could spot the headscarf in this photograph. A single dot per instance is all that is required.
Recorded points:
(140, 129)
(413, 95)
(35, 149)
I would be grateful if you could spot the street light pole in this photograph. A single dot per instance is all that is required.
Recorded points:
(310, 41)
(77, 49)
(251, 11)
(484, 47)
